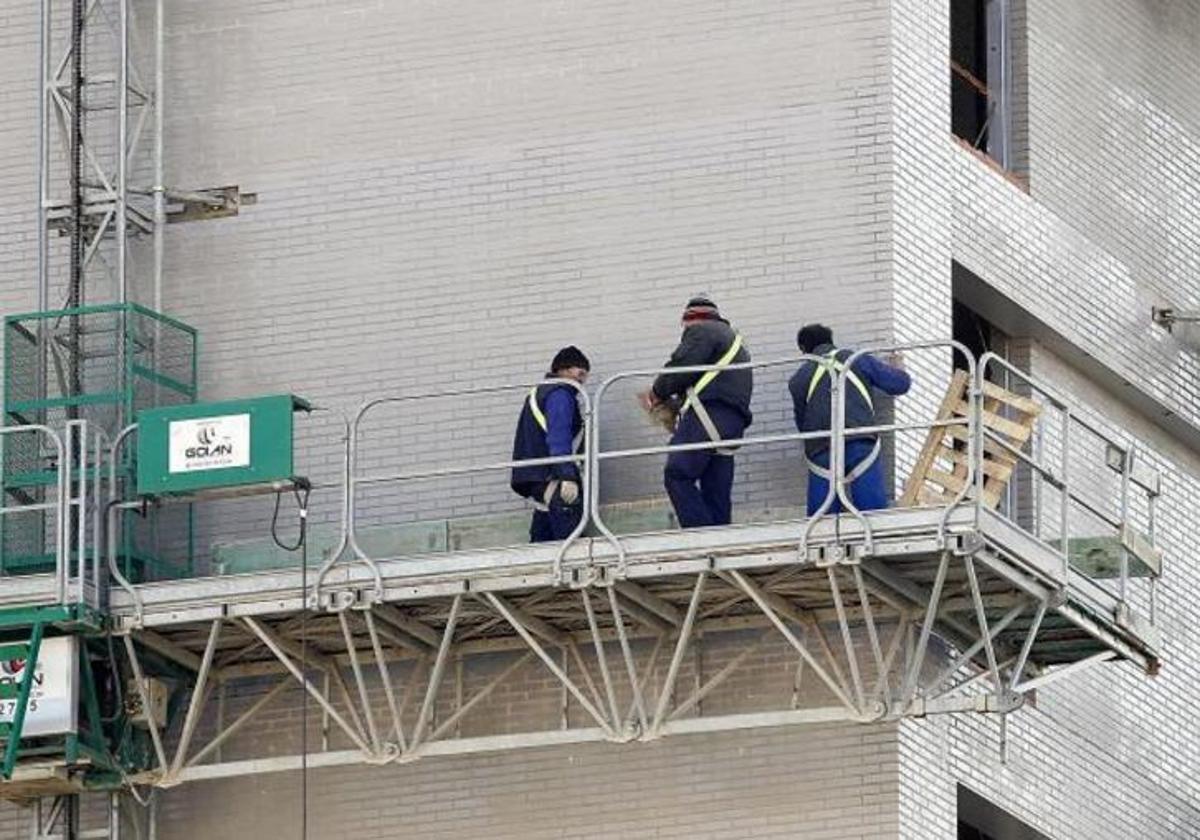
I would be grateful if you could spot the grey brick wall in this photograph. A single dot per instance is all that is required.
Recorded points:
(1100, 237)
(821, 783)
(448, 192)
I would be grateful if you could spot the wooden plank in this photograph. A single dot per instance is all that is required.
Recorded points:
(1010, 428)
(993, 490)
(990, 447)
(933, 440)
(996, 468)
(1022, 404)
(951, 482)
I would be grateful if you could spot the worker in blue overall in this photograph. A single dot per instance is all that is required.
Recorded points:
(714, 406)
(810, 388)
(551, 425)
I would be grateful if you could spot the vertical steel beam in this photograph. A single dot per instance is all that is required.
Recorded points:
(909, 686)
(847, 641)
(363, 697)
(549, 662)
(630, 664)
(122, 220)
(197, 702)
(43, 176)
(1023, 657)
(685, 631)
(295, 671)
(158, 187)
(601, 657)
(385, 675)
(758, 597)
(981, 619)
(439, 668)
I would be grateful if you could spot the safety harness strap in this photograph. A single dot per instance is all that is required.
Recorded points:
(859, 470)
(539, 417)
(832, 365)
(693, 395)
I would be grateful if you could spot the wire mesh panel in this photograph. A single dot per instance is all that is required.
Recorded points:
(97, 363)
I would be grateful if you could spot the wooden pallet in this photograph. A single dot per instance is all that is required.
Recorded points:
(941, 470)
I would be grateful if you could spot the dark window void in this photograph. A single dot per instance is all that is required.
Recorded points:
(977, 334)
(979, 819)
(980, 76)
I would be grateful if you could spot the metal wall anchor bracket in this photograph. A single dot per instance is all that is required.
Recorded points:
(831, 555)
(968, 545)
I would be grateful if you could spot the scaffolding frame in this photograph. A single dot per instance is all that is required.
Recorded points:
(100, 181)
(890, 614)
(858, 598)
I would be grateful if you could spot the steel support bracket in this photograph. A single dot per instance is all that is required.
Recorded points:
(968, 545)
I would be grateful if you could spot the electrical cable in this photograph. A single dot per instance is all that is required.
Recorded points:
(301, 490)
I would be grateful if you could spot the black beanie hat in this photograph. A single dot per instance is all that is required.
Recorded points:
(699, 307)
(812, 336)
(569, 357)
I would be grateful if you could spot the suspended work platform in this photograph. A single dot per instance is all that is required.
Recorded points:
(960, 604)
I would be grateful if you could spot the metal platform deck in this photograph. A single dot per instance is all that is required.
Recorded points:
(947, 613)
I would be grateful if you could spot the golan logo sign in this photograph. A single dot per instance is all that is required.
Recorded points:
(209, 443)
(52, 696)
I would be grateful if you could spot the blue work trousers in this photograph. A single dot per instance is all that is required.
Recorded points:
(557, 523)
(700, 482)
(867, 491)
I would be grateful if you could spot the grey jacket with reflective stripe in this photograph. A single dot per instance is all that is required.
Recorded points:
(704, 343)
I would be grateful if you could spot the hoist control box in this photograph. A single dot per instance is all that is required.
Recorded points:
(206, 446)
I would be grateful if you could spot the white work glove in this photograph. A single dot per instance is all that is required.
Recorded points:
(570, 492)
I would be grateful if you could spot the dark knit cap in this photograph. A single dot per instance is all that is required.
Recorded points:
(812, 336)
(700, 306)
(569, 357)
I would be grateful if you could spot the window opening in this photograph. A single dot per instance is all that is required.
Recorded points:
(979, 819)
(981, 76)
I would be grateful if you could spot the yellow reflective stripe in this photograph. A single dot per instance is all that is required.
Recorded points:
(833, 364)
(536, 410)
(704, 381)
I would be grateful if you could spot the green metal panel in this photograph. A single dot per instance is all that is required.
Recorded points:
(102, 364)
(186, 448)
(12, 748)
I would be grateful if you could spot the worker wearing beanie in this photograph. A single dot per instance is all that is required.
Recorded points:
(715, 407)
(551, 426)
(812, 404)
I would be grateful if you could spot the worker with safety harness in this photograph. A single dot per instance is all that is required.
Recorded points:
(713, 406)
(550, 426)
(811, 391)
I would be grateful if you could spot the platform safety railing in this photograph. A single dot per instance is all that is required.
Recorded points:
(356, 480)
(840, 487)
(1063, 478)
(597, 457)
(837, 489)
(56, 507)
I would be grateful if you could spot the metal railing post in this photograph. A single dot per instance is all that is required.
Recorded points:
(1127, 460)
(1065, 513)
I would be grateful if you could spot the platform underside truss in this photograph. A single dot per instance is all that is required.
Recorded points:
(491, 651)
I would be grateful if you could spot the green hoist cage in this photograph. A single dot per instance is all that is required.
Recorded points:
(101, 364)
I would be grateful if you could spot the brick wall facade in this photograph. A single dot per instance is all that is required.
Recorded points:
(447, 192)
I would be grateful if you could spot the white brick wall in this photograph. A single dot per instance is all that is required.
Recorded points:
(1097, 241)
(821, 783)
(450, 191)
